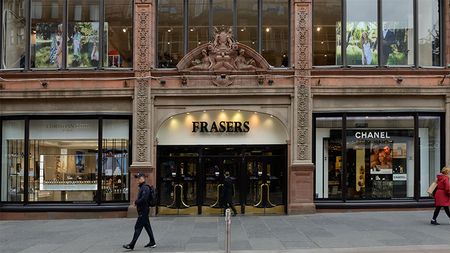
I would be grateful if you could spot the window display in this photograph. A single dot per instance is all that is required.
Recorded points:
(63, 160)
(429, 45)
(83, 34)
(47, 34)
(379, 158)
(13, 162)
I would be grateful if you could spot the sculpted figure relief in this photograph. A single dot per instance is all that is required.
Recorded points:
(223, 54)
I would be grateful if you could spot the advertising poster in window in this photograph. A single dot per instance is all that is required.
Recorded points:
(82, 46)
(361, 43)
(46, 42)
(381, 158)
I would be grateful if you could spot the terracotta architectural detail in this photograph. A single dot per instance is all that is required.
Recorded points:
(303, 89)
(223, 54)
(143, 44)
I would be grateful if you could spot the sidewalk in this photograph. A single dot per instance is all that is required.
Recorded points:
(406, 231)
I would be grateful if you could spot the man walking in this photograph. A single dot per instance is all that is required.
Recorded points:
(228, 193)
(143, 209)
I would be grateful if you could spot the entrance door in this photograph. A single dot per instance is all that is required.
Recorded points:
(190, 178)
(178, 184)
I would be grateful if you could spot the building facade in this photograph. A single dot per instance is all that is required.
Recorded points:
(308, 104)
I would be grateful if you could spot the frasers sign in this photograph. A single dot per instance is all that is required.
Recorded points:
(372, 135)
(220, 127)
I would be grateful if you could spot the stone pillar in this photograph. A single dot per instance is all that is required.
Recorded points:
(142, 106)
(301, 172)
(446, 29)
(447, 130)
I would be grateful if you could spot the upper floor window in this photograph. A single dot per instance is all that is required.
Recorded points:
(377, 32)
(260, 24)
(87, 34)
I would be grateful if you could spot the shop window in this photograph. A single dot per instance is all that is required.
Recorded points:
(275, 32)
(397, 34)
(170, 33)
(247, 23)
(222, 13)
(329, 169)
(13, 40)
(13, 162)
(327, 30)
(63, 160)
(118, 36)
(115, 159)
(362, 32)
(83, 34)
(47, 34)
(380, 157)
(430, 151)
(369, 40)
(429, 45)
(198, 21)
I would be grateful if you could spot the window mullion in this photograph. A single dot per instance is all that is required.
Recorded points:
(65, 34)
(260, 6)
(101, 28)
(343, 33)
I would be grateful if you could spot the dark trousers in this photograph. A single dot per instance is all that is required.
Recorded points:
(142, 222)
(438, 209)
(229, 204)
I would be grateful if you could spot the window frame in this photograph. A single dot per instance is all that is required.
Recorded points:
(65, 17)
(100, 117)
(210, 28)
(417, 169)
(379, 33)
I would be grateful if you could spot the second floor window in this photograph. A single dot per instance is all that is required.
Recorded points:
(260, 24)
(88, 34)
(377, 32)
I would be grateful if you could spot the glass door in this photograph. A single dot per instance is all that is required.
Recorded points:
(178, 188)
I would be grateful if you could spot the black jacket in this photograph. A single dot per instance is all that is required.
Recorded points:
(228, 189)
(143, 199)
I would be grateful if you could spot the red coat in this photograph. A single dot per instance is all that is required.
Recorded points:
(442, 196)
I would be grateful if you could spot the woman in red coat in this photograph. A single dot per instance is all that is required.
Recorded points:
(442, 195)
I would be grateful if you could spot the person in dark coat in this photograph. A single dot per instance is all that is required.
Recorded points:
(228, 193)
(143, 209)
(442, 195)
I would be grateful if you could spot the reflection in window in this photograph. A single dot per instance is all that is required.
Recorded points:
(327, 32)
(397, 42)
(83, 34)
(115, 176)
(362, 32)
(170, 33)
(63, 160)
(275, 32)
(247, 23)
(198, 20)
(429, 33)
(118, 40)
(13, 162)
(222, 13)
(46, 33)
(13, 40)
(430, 151)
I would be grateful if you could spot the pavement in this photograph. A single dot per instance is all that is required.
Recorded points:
(365, 232)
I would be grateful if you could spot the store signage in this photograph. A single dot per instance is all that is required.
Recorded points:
(372, 135)
(220, 127)
(399, 177)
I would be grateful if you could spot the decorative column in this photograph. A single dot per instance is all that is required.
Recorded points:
(142, 106)
(447, 130)
(301, 173)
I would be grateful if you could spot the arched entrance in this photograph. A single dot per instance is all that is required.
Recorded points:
(195, 149)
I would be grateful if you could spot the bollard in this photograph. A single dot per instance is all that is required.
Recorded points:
(227, 231)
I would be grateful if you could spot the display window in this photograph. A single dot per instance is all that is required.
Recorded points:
(58, 160)
(376, 157)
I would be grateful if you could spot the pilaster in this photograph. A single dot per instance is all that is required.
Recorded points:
(301, 173)
(142, 106)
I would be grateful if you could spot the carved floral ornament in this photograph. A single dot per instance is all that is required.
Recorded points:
(223, 54)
